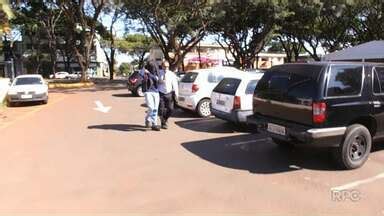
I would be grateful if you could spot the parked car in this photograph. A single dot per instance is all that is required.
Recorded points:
(74, 75)
(232, 97)
(60, 75)
(195, 88)
(338, 105)
(135, 84)
(27, 88)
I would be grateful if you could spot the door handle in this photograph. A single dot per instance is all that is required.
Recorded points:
(376, 104)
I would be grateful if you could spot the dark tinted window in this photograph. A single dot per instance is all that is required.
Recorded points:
(189, 77)
(378, 80)
(227, 86)
(289, 82)
(251, 87)
(28, 81)
(344, 80)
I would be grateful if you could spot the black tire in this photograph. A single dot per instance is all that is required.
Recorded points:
(10, 104)
(139, 91)
(204, 108)
(283, 144)
(354, 150)
(45, 101)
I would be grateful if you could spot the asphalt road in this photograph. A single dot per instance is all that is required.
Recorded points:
(67, 158)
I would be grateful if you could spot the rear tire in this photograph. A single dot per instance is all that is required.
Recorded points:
(139, 91)
(354, 150)
(204, 108)
(10, 104)
(283, 144)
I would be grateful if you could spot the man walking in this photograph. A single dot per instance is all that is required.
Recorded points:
(150, 87)
(168, 89)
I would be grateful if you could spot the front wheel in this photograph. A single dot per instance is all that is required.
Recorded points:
(353, 152)
(204, 108)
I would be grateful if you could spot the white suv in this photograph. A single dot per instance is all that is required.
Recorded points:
(195, 88)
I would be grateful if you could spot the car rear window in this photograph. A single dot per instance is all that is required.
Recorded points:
(227, 86)
(189, 77)
(28, 81)
(345, 80)
(289, 83)
(378, 81)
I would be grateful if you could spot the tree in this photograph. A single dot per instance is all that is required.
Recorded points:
(82, 17)
(136, 45)
(175, 25)
(115, 13)
(245, 26)
(49, 16)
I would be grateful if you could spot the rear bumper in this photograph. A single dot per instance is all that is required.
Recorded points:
(237, 116)
(187, 102)
(301, 135)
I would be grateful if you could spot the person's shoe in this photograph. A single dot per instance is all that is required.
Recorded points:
(164, 126)
(155, 128)
(147, 124)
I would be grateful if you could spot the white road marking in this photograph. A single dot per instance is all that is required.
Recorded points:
(100, 107)
(357, 183)
(250, 141)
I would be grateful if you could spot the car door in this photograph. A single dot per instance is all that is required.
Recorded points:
(378, 98)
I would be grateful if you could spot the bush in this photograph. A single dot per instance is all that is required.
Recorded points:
(125, 69)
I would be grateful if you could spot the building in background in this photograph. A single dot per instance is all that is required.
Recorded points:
(209, 55)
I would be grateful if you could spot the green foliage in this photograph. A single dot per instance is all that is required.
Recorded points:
(136, 45)
(176, 26)
(245, 26)
(125, 69)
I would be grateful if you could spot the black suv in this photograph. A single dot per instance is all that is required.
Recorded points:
(325, 104)
(135, 84)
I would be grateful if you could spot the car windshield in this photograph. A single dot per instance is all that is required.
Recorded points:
(28, 81)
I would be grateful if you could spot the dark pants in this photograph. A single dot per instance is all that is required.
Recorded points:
(166, 107)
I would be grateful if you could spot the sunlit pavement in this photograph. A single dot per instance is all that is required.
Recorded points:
(66, 157)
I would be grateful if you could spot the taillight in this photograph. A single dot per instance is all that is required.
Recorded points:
(237, 103)
(195, 88)
(319, 110)
(133, 80)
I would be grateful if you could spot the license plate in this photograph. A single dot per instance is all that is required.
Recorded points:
(26, 96)
(276, 129)
(181, 99)
(220, 102)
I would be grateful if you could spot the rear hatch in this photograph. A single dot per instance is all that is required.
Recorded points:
(134, 79)
(186, 83)
(286, 92)
(223, 94)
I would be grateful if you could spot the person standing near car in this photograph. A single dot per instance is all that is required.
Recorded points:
(168, 89)
(151, 95)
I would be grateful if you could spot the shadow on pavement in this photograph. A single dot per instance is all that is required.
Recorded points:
(210, 125)
(181, 113)
(124, 95)
(26, 104)
(258, 154)
(119, 127)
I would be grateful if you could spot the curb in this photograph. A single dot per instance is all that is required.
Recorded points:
(70, 85)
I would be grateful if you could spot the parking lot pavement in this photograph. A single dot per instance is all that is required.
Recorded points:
(68, 158)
